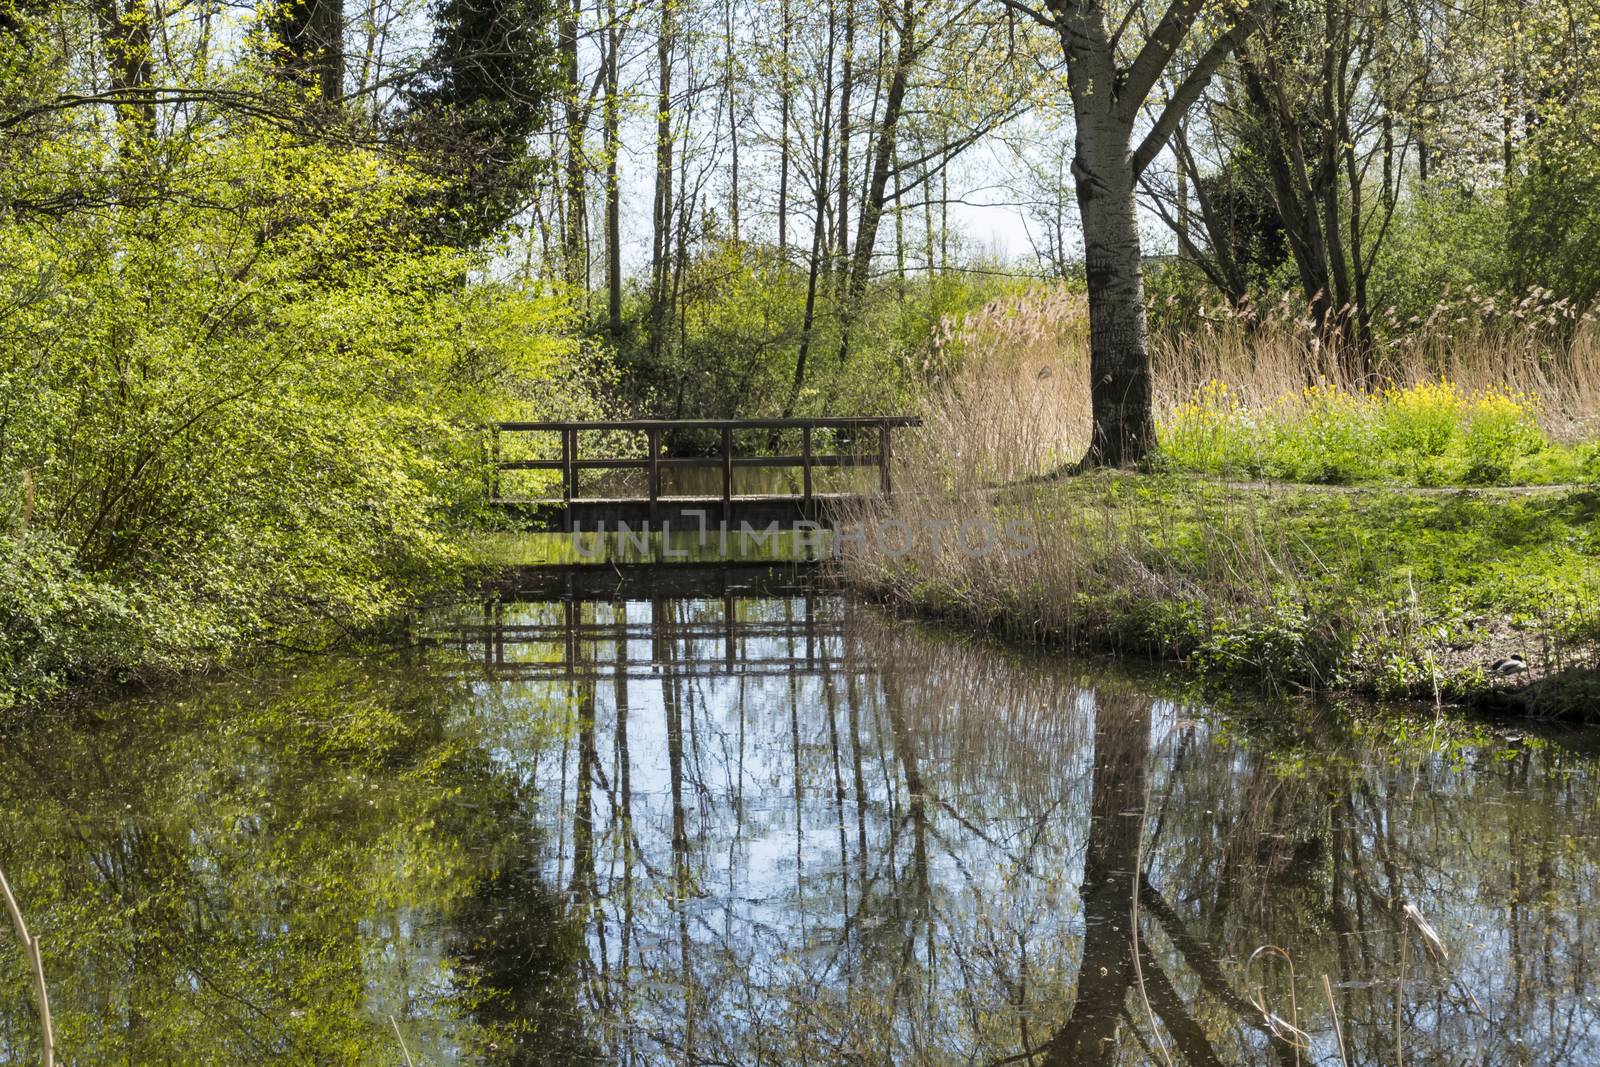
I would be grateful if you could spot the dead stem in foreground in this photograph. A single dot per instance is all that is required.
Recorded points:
(30, 949)
(400, 1038)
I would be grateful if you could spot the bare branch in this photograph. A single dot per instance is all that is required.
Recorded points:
(1031, 12)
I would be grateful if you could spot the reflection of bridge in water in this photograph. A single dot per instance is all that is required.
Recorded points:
(739, 630)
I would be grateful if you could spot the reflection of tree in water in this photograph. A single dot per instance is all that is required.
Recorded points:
(882, 848)
(1118, 973)
(516, 940)
(257, 872)
(930, 855)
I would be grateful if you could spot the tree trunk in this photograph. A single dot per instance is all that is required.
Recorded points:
(817, 235)
(1119, 358)
(661, 247)
(312, 33)
(1106, 101)
(784, 96)
(878, 184)
(575, 266)
(125, 35)
(846, 89)
(733, 123)
(327, 30)
(613, 137)
(1292, 192)
(899, 233)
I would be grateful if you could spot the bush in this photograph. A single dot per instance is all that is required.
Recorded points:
(1500, 429)
(52, 616)
(246, 406)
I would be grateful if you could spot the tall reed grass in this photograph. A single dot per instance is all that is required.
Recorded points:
(1283, 582)
(1538, 349)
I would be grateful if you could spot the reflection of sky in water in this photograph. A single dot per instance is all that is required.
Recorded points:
(942, 931)
(850, 841)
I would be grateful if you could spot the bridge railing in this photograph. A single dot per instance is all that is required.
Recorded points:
(654, 462)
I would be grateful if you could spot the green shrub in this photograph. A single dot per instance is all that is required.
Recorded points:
(1500, 429)
(52, 616)
(247, 406)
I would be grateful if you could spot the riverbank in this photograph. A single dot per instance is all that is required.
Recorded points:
(67, 639)
(1390, 591)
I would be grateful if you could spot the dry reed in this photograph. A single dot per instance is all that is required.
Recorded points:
(1536, 344)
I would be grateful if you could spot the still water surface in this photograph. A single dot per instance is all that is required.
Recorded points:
(759, 827)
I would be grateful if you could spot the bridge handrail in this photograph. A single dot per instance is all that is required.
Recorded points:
(838, 423)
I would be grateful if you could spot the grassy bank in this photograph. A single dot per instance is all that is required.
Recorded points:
(1400, 540)
(1398, 592)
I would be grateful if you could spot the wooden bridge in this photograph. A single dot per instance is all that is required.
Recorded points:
(701, 457)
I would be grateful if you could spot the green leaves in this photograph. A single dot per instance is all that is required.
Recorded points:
(249, 406)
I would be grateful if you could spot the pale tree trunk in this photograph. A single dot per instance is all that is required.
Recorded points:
(926, 181)
(733, 120)
(899, 233)
(661, 247)
(1107, 99)
(1105, 178)
(613, 147)
(784, 98)
(1119, 356)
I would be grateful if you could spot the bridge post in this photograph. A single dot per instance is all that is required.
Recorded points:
(569, 456)
(494, 458)
(727, 474)
(653, 438)
(885, 458)
(805, 468)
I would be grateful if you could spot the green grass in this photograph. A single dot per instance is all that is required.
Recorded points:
(1379, 589)
(1376, 589)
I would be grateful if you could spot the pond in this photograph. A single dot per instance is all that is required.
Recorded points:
(750, 822)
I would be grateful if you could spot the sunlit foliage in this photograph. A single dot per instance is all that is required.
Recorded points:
(240, 394)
